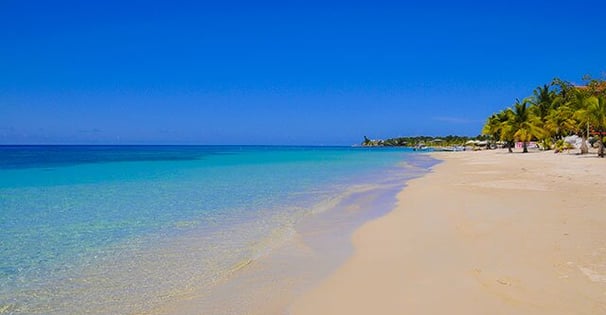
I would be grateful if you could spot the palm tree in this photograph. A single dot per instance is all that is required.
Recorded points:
(498, 128)
(563, 89)
(600, 106)
(580, 103)
(525, 124)
(594, 115)
(492, 127)
(559, 122)
(542, 101)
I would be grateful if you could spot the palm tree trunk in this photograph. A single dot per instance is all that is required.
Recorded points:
(600, 145)
(584, 147)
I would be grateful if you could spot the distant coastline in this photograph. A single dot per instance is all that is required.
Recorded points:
(430, 143)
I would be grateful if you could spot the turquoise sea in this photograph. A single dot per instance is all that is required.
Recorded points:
(126, 229)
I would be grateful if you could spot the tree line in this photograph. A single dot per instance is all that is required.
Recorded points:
(554, 111)
(450, 140)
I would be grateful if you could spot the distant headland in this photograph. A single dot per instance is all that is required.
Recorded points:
(446, 143)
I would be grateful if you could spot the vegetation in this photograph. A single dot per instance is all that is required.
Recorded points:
(552, 112)
(421, 140)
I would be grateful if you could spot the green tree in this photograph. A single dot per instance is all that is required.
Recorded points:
(553, 111)
(524, 124)
(579, 102)
(594, 115)
(560, 123)
(542, 101)
(563, 89)
(498, 128)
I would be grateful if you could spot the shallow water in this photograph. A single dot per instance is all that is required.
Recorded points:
(123, 230)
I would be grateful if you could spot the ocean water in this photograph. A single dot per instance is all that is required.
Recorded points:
(127, 229)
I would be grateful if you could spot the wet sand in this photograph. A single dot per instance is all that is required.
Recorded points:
(484, 233)
(303, 255)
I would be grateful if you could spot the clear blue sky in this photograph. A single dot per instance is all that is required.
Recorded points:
(264, 72)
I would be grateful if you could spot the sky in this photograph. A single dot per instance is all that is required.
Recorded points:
(280, 72)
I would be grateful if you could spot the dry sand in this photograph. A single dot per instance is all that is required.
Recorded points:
(484, 233)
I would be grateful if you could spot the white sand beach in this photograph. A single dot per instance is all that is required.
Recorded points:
(484, 233)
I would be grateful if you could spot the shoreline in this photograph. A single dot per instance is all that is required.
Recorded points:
(134, 236)
(483, 232)
(319, 243)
